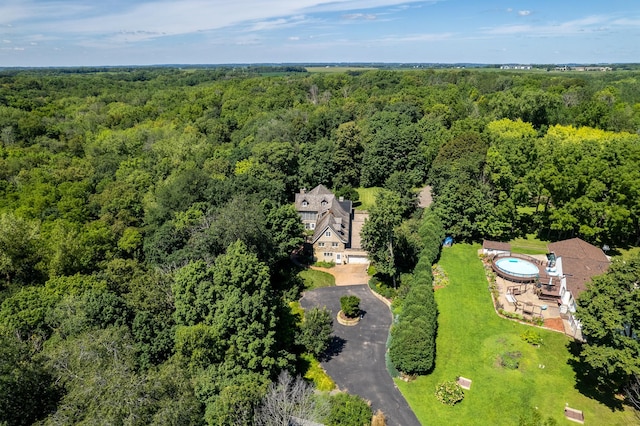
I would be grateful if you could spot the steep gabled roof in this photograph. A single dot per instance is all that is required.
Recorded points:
(317, 200)
(337, 217)
(580, 262)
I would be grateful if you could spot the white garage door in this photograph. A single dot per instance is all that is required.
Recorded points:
(358, 259)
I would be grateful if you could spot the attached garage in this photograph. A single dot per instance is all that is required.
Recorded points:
(357, 258)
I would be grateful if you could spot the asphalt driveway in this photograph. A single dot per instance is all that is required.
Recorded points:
(356, 362)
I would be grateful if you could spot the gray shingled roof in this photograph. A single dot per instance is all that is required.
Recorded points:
(318, 199)
(580, 262)
(496, 245)
(337, 217)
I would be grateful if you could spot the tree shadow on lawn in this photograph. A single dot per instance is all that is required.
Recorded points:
(336, 344)
(587, 381)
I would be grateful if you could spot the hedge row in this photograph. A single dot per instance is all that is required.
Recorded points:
(413, 336)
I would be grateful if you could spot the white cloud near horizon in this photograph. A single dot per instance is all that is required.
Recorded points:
(593, 23)
(168, 17)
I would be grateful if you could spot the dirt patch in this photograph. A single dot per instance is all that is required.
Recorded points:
(554, 324)
(425, 199)
(347, 274)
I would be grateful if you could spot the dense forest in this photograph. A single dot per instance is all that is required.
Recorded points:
(146, 215)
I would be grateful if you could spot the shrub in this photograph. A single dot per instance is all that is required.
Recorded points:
(440, 278)
(323, 264)
(379, 419)
(412, 346)
(315, 330)
(532, 337)
(381, 288)
(348, 410)
(350, 306)
(449, 393)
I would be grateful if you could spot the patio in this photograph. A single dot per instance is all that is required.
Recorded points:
(531, 301)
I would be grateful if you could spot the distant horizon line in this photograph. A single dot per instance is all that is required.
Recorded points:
(325, 64)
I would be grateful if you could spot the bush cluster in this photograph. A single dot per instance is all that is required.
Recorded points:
(350, 306)
(532, 337)
(449, 393)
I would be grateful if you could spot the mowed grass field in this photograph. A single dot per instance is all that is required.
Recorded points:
(367, 198)
(471, 338)
(316, 279)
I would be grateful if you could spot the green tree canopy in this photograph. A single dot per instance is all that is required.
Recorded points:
(609, 312)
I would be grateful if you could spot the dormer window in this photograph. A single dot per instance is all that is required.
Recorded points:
(324, 203)
(305, 203)
(327, 234)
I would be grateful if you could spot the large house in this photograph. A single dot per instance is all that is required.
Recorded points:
(330, 218)
(576, 262)
(573, 263)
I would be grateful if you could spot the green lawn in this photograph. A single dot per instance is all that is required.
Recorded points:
(367, 197)
(471, 337)
(529, 245)
(315, 279)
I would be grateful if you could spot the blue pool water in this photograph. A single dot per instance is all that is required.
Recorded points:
(517, 267)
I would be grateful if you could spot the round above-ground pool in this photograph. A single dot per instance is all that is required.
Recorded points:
(513, 267)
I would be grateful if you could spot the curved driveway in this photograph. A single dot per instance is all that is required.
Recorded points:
(356, 362)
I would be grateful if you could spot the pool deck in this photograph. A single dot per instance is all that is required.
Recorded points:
(521, 298)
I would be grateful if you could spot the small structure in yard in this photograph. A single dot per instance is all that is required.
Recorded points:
(448, 242)
(491, 248)
(464, 383)
(574, 415)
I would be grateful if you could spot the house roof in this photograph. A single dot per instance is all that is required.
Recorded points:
(317, 200)
(337, 217)
(496, 245)
(580, 262)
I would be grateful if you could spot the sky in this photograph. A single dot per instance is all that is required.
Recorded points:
(151, 32)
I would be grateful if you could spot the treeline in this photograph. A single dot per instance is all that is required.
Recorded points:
(146, 217)
(413, 336)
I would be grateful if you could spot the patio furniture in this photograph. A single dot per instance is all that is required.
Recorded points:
(512, 300)
(515, 290)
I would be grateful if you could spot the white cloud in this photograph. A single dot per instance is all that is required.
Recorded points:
(416, 38)
(277, 23)
(524, 12)
(171, 17)
(360, 16)
(627, 22)
(588, 24)
(294, 38)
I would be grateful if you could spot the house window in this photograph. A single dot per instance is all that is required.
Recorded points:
(320, 244)
(334, 244)
(312, 226)
(327, 234)
(305, 203)
(327, 254)
(324, 203)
